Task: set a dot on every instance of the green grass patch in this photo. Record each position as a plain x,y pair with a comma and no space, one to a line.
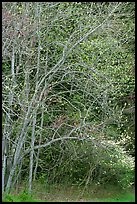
23,196
125,197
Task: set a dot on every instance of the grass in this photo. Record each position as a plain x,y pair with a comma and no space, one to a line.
125,197
23,196
70,193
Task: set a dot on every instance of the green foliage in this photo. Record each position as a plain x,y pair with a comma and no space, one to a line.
118,167
23,196
43,177
6,67
125,197
91,82
103,166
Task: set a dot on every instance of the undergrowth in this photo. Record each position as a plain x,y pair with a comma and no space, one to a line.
69,193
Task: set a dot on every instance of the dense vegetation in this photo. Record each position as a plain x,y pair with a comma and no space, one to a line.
68,89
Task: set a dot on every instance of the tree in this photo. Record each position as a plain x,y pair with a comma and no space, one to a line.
58,81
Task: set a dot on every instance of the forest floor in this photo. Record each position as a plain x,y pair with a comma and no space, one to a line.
63,193
89,194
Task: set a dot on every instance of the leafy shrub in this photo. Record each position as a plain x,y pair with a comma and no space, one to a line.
118,168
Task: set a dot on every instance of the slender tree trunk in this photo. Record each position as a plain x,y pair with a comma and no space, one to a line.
7,127
40,138
32,153
4,159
